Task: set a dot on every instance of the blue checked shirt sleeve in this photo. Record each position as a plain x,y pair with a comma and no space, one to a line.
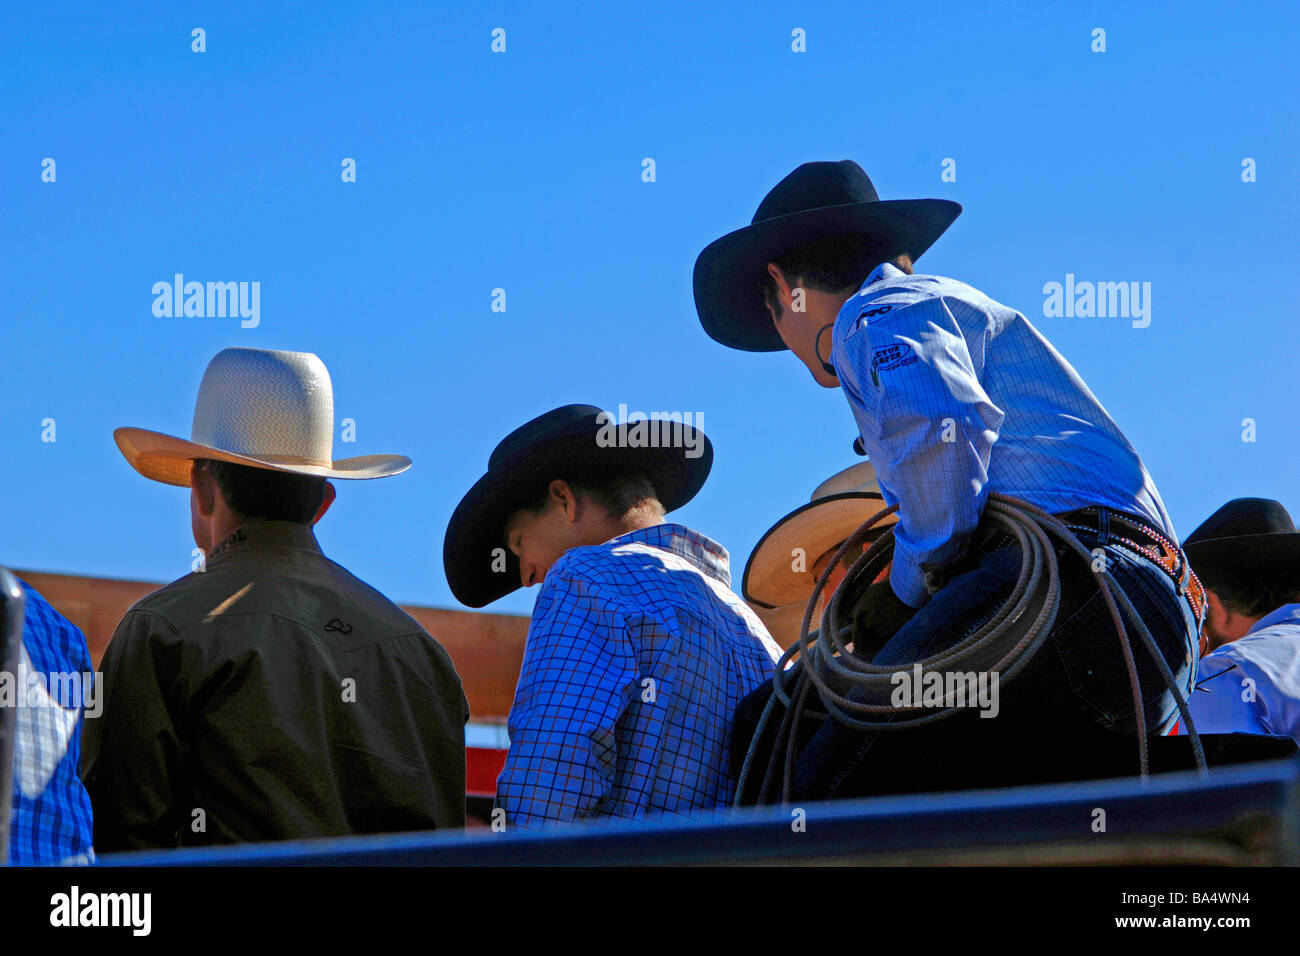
929,427
578,676
51,813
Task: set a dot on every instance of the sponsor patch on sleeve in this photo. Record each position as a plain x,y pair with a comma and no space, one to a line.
886,358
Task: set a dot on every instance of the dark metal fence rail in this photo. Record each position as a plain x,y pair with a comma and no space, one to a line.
1241,814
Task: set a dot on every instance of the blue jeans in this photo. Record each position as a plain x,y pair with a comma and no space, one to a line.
1072,694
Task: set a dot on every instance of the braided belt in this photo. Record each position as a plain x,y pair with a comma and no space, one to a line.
1138,535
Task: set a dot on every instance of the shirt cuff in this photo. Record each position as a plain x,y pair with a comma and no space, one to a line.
908,582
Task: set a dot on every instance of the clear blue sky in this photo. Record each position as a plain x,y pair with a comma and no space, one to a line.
522,171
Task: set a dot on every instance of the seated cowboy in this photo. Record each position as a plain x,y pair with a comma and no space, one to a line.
956,396
269,695
638,651
1247,554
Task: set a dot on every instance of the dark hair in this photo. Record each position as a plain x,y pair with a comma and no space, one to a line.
618,492
829,265
262,493
1253,591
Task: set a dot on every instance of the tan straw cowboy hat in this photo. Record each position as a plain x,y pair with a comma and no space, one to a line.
261,408
839,505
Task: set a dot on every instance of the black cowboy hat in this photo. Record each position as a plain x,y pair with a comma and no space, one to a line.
1246,533
816,201
564,442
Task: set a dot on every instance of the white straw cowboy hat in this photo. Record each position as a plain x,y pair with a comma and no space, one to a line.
261,408
839,506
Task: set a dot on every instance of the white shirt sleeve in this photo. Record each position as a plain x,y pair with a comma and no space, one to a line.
928,426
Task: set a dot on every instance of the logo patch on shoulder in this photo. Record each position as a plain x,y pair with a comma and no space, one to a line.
886,358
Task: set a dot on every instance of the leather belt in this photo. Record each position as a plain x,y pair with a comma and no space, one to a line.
1139,535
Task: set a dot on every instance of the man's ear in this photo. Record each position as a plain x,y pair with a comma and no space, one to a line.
783,290
326,500
1215,612
566,497
1228,624
204,488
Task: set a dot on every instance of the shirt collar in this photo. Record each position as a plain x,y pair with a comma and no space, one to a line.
883,272
704,553
848,314
1287,612
255,536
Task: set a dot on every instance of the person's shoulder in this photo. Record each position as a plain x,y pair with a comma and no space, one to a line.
1220,660
1262,658
1279,642
612,574
887,297
624,558
919,287
372,602
48,632
587,567
174,603
651,572
39,611
189,607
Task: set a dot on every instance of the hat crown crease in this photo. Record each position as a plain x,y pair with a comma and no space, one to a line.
277,406
815,186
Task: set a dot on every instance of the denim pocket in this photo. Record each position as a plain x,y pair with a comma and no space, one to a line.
1089,649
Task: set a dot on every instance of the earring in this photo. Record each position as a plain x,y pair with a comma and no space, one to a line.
817,348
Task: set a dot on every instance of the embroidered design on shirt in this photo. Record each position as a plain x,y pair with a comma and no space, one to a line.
234,538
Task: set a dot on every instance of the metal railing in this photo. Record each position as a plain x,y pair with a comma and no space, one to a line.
12,604
1243,814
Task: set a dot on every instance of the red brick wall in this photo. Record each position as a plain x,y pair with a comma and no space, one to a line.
486,648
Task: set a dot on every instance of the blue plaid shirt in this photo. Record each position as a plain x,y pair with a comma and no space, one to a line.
956,395
637,656
51,820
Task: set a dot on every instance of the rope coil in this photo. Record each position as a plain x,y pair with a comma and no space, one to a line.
826,663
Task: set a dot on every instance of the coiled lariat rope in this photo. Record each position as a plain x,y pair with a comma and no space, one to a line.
991,648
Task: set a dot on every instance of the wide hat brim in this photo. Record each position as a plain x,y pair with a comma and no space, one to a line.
729,271
167,458
770,579
1245,554
474,549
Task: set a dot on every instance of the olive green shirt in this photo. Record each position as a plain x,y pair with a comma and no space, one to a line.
272,696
